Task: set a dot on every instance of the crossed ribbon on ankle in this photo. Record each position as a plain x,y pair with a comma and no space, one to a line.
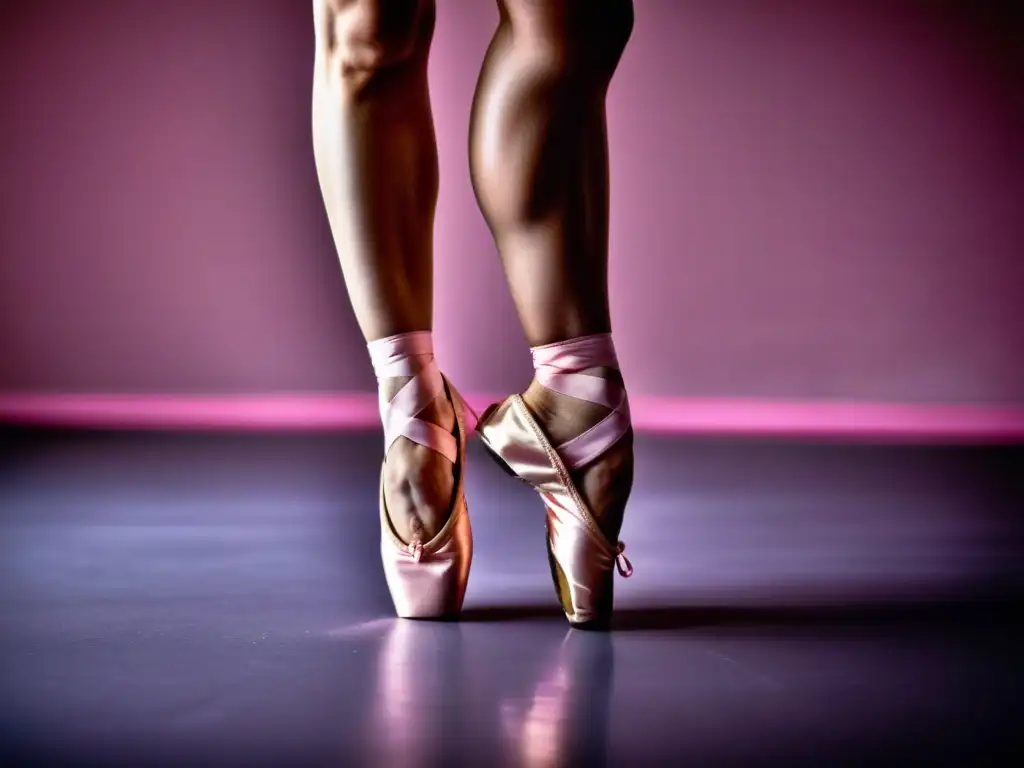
559,367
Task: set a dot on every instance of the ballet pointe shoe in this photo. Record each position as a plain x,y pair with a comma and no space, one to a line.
427,580
582,559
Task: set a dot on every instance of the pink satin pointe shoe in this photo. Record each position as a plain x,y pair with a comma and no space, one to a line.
427,580
583,561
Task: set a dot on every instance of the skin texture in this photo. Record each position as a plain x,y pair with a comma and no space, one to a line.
539,163
376,157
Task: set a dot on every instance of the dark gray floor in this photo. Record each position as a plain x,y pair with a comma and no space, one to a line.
185,599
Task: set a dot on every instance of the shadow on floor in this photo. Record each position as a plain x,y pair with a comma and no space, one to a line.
660,618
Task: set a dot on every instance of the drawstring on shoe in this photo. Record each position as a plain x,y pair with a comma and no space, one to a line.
416,548
622,562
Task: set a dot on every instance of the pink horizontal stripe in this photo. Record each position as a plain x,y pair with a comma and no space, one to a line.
664,415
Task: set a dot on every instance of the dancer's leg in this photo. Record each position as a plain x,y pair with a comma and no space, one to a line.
539,157
376,158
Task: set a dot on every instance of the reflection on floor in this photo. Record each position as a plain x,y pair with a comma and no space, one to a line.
189,599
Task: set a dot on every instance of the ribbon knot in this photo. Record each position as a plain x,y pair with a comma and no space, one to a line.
416,549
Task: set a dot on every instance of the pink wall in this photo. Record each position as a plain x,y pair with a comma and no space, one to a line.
812,200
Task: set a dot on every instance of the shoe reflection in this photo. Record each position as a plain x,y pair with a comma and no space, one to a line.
417,697
565,723
430,709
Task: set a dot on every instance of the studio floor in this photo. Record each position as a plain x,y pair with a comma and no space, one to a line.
186,599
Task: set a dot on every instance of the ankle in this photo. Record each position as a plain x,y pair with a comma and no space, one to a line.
439,411
578,398
606,482
406,360
560,416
